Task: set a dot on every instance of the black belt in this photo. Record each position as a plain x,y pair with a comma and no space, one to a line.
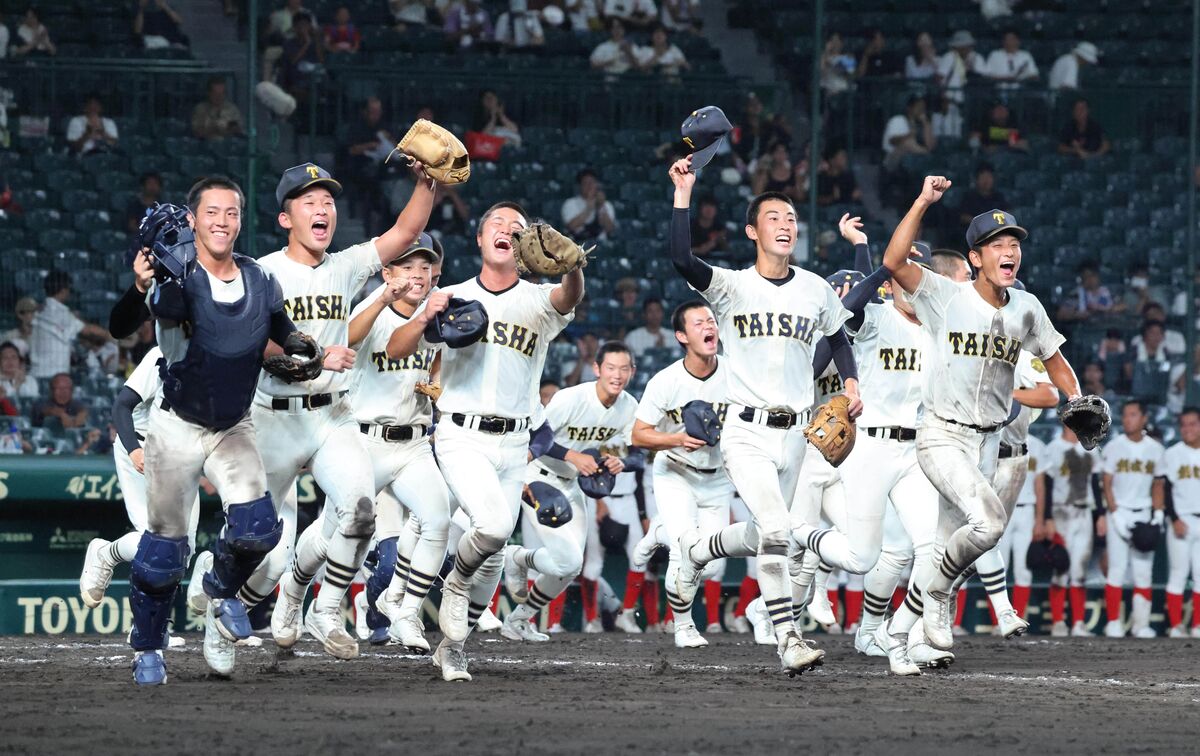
394,432
548,474
781,419
979,428
893,434
494,425
693,468
1009,450
308,402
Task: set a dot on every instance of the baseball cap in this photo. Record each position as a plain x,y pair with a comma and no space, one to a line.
1087,51
986,225
704,131
423,243
843,277
962,38
924,256
300,177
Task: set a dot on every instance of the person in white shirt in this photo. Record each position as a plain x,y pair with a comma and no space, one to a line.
677,15
959,63
14,381
922,63
25,309
617,54
1011,65
1064,74
637,13
589,214
1182,471
908,133
583,15
55,329
661,56
34,36
91,131
651,335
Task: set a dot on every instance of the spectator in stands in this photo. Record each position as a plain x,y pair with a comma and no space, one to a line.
91,131
1138,291
922,63
637,14
617,54
468,23
630,314
34,36
9,207
216,117
14,380
947,119
661,56
102,355
279,25
580,370
959,64
490,118
757,133
97,441
982,196
366,145
999,131
774,172
589,214
1150,347
159,26
677,15
1083,136
342,36
20,335
61,403
875,59
55,329
583,15
1010,66
1064,74
1179,305
520,26
414,13
1091,298
836,184
1173,341
303,55
1178,387
150,192
1093,379
837,68
7,408
451,212
4,37
908,133
708,232
651,335
1113,348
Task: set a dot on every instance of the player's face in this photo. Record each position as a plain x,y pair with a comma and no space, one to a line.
435,274
546,393
614,373
775,228
1189,428
999,260
699,333
417,271
311,219
495,236
218,221
1133,420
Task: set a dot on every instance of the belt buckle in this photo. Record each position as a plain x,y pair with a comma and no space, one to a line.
316,401
492,425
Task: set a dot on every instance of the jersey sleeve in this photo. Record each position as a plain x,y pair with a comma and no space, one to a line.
1030,371
1170,470
1108,458
558,411
1044,339
553,321
720,291
1159,460
931,297
869,326
145,379
651,409
363,262
833,313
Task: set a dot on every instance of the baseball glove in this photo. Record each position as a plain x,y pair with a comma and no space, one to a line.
431,390
443,155
832,431
543,251
301,359
1089,417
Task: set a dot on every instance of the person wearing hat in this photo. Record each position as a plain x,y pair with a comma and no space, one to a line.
959,63
1064,74
311,423
976,332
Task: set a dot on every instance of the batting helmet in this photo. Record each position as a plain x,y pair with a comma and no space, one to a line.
548,503
598,484
461,324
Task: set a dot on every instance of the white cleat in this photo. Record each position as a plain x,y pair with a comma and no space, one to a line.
1010,623
626,622
360,616
388,604
555,629
1195,631
959,630
285,617
516,576
668,627
176,641
924,655
451,660
764,631
796,656
409,631
938,618
328,628
96,575
515,628
687,636
1179,631
197,599
1059,630
852,629
834,629
1145,633
643,552
865,643
218,650
740,625
896,648
687,577
1114,629
488,622
714,627
452,614
593,627
820,609
1080,630
250,641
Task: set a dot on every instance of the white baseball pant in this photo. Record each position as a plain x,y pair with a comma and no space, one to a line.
133,493
1076,526
1184,555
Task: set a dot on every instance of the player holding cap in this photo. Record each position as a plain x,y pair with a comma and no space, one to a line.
977,331
1181,467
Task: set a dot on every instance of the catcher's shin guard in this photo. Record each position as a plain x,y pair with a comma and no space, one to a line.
380,579
251,531
157,569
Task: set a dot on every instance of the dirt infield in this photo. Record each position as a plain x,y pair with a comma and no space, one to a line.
603,694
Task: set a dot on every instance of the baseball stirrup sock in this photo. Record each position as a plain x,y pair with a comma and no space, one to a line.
1078,603
780,611
1196,609
1058,601
650,602
587,592
834,600
746,593
633,589
124,548
1020,599
1112,602
682,609
712,601
1174,609
854,605
960,607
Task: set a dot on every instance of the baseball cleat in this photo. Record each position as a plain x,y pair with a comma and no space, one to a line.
740,625
388,604
668,627
714,627
1179,631
379,636
451,660
452,614
1059,630
518,628
1195,631
409,632
852,629
149,667
593,627
626,622
1145,633
796,656
252,642
820,609
488,622
555,629
94,580
516,576
959,630
1114,629
687,636
1080,630
178,641
330,630
896,648
924,655
687,577
197,599
644,550
1010,623
764,631
938,617
285,617
218,650
361,629
865,643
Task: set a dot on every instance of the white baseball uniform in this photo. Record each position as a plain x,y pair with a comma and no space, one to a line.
1133,466
1181,466
1070,468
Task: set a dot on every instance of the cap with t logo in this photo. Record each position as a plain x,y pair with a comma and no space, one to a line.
704,131
992,223
298,178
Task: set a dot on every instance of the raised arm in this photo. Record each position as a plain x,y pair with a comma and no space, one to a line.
412,218
406,339
569,293
360,324
895,258
694,270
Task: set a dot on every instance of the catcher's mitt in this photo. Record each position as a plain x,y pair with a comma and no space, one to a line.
431,390
543,251
1089,417
443,155
301,359
832,431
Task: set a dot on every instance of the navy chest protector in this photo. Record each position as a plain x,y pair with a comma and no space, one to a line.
214,383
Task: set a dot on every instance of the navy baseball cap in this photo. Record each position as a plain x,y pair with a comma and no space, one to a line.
423,243
924,256
842,277
298,178
987,225
704,131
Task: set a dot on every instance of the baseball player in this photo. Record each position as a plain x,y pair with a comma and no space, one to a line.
976,331
770,318
1072,492
1014,544
491,388
1182,471
1133,493
311,424
131,416
597,414
690,488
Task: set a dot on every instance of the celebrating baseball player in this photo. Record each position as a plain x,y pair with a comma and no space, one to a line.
1182,470
490,389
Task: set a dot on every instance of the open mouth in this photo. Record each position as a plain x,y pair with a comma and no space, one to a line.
320,228
783,238
1009,267
503,243
710,339
220,233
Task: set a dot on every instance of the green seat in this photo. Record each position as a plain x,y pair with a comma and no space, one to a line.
87,221
79,200
108,241
57,238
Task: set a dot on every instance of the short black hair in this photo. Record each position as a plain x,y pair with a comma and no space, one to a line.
56,281
984,167
213,81
1152,305
649,301
547,382
1087,265
1151,324
584,173
12,346
682,310
757,203
149,175
947,252
500,206
707,199
214,182
1191,409
1141,405
612,347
